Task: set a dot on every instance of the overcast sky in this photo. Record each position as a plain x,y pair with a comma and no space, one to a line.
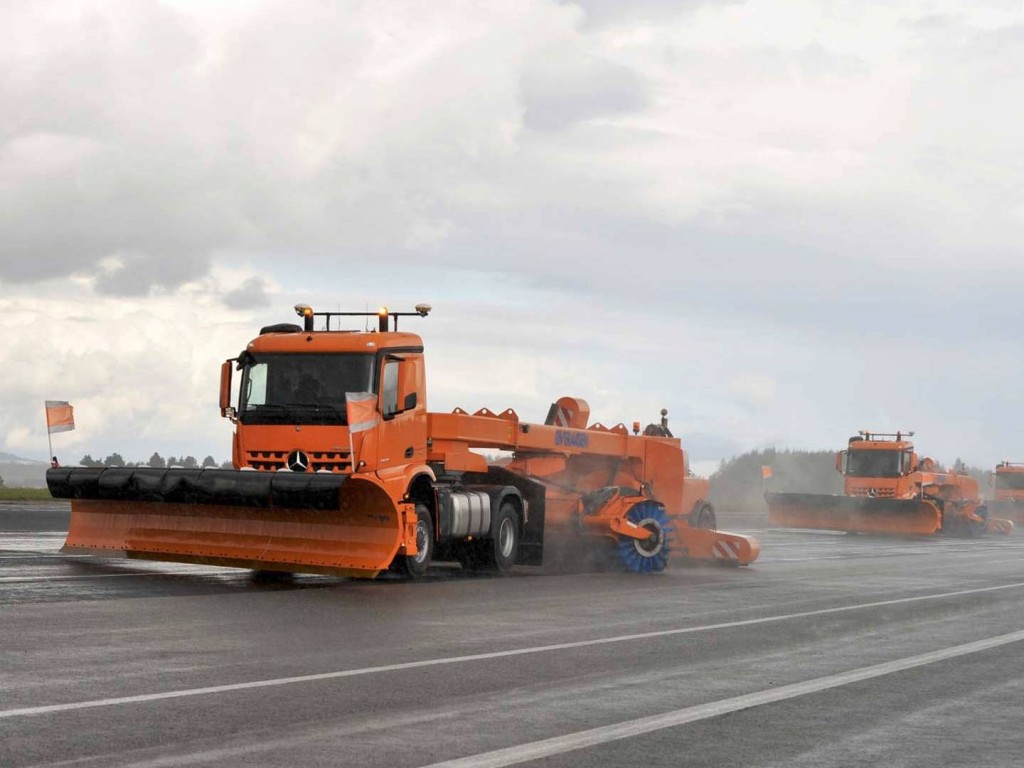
784,222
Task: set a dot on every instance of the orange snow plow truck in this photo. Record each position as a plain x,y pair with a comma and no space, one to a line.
888,489
1008,491
339,468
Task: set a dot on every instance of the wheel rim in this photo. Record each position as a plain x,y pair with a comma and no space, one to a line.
506,538
422,542
651,546
651,554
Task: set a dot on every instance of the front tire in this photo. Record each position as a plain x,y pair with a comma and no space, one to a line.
415,566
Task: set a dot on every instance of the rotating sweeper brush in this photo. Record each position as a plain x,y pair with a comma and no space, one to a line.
651,554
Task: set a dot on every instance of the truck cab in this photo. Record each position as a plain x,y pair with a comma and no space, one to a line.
878,465
293,408
1008,481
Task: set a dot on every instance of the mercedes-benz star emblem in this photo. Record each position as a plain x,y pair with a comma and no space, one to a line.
298,461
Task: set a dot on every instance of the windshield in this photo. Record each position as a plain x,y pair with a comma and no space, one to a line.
1010,481
873,464
301,388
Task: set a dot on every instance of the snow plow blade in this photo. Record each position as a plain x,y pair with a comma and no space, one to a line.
282,521
853,513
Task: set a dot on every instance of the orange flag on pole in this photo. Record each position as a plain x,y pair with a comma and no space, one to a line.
60,416
361,410
766,471
361,413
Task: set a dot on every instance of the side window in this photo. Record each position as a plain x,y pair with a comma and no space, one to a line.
389,390
256,385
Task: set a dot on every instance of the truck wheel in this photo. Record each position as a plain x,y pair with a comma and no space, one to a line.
498,555
703,517
415,566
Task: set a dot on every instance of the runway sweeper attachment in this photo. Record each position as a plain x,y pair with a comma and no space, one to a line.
339,468
889,490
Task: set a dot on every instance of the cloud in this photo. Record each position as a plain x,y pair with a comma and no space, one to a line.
250,294
755,389
641,202
610,13
561,89
138,371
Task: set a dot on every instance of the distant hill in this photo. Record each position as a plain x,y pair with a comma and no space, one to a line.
737,484
19,472
10,458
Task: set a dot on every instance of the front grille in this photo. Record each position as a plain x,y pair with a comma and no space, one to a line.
319,461
878,493
331,461
267,461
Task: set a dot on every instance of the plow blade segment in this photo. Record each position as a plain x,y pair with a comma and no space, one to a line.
246,527
854,514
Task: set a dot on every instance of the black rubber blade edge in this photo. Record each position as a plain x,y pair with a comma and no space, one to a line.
198,486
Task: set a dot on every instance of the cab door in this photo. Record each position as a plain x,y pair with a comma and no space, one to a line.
402,436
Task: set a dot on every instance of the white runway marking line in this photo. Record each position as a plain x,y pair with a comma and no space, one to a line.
631,728
43,579
231,687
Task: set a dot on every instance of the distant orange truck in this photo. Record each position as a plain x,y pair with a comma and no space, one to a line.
887,488
1008,491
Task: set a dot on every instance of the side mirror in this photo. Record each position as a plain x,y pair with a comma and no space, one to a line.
225,387
841,462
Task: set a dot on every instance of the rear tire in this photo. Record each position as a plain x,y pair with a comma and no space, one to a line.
703,517
415,566
496,555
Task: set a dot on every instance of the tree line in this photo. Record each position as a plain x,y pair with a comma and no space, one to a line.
156,461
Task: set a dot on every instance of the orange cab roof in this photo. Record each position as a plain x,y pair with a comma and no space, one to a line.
333,341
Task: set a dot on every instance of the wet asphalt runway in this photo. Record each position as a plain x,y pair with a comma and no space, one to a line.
830,650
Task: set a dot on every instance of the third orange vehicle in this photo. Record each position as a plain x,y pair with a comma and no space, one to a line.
887,488
1008,491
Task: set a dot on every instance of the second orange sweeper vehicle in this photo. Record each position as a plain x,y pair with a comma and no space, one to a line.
341,469
889,489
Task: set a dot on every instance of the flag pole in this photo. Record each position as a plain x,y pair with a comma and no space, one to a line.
49,437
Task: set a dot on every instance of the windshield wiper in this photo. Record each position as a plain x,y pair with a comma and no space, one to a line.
319,411
264,413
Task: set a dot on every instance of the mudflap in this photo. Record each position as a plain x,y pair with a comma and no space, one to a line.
357,534
853,514
711,546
